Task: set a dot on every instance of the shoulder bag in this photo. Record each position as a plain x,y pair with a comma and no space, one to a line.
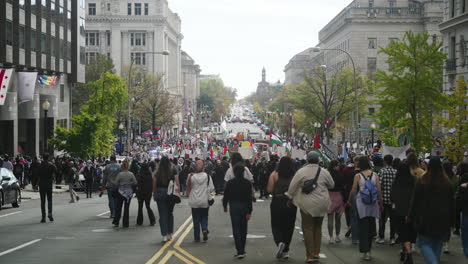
310,185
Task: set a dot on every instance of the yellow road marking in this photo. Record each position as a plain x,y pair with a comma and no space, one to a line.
166,257
167,244
179,256
179,242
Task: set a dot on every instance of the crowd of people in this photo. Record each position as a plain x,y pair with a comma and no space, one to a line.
424,200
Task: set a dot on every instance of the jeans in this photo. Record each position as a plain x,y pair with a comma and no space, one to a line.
238,212
431,247
200,219
283,219
43,195
312,234
387,213
89,188
122,201
464,233
366,233
73,195
111,194
354,221
147,202
165,209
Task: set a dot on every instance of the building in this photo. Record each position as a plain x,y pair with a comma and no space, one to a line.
454,29
191,84
266,90
360,29
138,31
45,41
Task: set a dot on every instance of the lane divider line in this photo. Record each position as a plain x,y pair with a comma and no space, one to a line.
10,214
19,247
167,244
181,257
184,252
103,213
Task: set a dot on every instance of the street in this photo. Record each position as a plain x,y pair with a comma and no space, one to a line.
82,233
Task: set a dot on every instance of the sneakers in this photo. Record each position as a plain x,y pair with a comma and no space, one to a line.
51,219
165,239
285,255
456,232
337,240
392,242
311,260
446,249
402,256
348,234
380,241
279,253
355,242
43,220
205,235
408,259
169,237
331,241
240,256
366,256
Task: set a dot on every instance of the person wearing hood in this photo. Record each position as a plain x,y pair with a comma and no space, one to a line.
199,189
89,172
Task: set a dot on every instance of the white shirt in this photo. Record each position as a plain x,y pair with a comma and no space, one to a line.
230,175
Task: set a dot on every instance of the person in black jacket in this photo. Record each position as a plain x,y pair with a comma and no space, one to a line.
46,174
432,210
238,194
463,201
144,193
400,195
89,173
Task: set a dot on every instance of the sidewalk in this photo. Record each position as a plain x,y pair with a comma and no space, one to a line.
29,194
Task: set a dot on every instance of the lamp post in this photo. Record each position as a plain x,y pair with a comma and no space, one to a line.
165,53
318,49
372,126
45,107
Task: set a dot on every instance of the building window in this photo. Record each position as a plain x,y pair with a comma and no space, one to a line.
82,3
62,93
69,20
43,43
371,65
33,7
9,33
390,40
21,3
372,43
108,38
463,6
52,46
92,9
129,9
146,9
138,58
82,55
82,25
90,56
452,8
44,8
392,3
371,3
108,6
92,39
137,9
371,110
69,52
138,39
52,8
33,40
108,55
21,37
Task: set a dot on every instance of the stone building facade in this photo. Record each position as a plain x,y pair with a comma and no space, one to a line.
191,84
45,37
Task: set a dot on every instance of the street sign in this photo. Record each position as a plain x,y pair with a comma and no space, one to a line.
364,129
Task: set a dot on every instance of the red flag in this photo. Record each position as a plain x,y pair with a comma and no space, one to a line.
225,150
251,143
317,141
211,153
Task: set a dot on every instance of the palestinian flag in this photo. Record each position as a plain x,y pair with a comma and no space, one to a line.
288,148
275,140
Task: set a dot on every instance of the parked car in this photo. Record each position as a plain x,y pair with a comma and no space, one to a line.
10,192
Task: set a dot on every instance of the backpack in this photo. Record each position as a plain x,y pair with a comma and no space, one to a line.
369,192
18,169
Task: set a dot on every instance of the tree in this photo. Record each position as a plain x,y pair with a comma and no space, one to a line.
410,89
455,121
216,97
94,71
91,134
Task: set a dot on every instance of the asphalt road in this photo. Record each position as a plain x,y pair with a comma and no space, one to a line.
82,233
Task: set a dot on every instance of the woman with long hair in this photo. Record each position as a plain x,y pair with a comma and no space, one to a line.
463,201
453,178
144,191
283,216
400,194
432,210
165,175
125,183
337,202
414,165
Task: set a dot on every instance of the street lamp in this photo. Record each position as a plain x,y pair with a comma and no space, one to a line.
318,49
45,107
372,126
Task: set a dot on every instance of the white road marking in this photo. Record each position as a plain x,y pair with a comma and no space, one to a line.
252,236
103,213
19,247
10,214
260,201
104,230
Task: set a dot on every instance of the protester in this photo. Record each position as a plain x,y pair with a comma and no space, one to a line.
46,173
387,176
400,195
414,165
89,173
366,186
218,178
18,171
165,175
199,189
463,201
314,205
283,214
432,210
109,181
337,202
454,180
125,184
237,158
238,195
70,177
144,193
348,178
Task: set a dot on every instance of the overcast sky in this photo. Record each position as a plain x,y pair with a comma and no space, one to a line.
236,38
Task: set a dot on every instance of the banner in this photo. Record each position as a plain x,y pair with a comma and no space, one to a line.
5,77
396,152
246,152
26,85
47,80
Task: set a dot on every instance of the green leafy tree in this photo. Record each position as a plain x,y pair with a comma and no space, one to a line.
91,134
456,123
216,96
410,89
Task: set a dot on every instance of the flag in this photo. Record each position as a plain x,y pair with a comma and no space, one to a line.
275,140
344,153
203,143
211,153
47,80
316,141
5,77
26,85
251,143
287,147
225,150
